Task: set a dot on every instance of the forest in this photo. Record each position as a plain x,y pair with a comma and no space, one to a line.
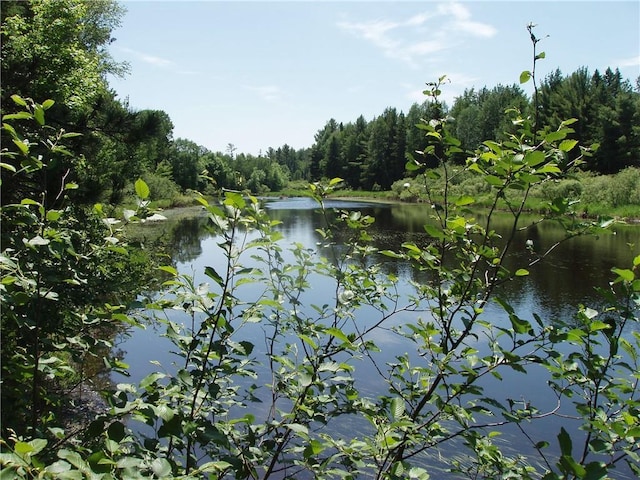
118,144
268,385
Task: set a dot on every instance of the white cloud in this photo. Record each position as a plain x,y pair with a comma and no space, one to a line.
474,28
628,62
150,59
269,93
421,35
418,19
461,21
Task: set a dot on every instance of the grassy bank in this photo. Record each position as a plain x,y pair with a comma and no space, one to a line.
590,195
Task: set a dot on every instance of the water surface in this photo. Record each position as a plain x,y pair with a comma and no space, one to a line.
553,290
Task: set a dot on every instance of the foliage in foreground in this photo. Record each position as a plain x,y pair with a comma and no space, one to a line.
266,373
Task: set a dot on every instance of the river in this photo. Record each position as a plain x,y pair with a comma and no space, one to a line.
553,290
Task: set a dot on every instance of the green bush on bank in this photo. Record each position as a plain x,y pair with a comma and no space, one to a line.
617,194
164,193
616,190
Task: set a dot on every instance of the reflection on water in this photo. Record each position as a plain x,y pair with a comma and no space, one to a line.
553,290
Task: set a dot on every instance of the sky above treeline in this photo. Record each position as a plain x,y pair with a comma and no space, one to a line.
263,74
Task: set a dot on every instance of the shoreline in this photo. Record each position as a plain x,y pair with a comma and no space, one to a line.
173,213
628,220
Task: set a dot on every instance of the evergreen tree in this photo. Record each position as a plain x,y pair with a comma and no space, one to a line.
415,138
354,151
332,162
607,109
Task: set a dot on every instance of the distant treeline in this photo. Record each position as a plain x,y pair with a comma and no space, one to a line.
68,60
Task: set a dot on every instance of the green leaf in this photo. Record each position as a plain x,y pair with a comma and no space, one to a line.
213,275
569,121
525,76
142,189
397,407
306,339
165,412
38,240
70,135
519,325
540,56
168,269
493,180
528,178
53,215
73,458
38,114
457,224
22,146
418,473
17,116
571,466
606,222
564,439
567,145
339,334
47,104
129,462
313,448
599,445
63,150
298,428
18,100
596,471
161,467
433,231
522,272
214,466
555,136
623,274
534,158
412,166
549,169
23,448
590,313
465,200
150,379
595,326
62,470
391,253
330,367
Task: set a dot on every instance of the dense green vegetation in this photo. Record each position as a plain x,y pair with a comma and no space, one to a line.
236,407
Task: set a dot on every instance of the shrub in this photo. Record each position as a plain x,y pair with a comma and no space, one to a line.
625,188
566,188
161,187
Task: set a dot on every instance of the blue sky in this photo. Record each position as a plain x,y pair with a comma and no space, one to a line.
261,74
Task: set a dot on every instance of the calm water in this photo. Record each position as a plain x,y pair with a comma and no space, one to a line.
553,289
